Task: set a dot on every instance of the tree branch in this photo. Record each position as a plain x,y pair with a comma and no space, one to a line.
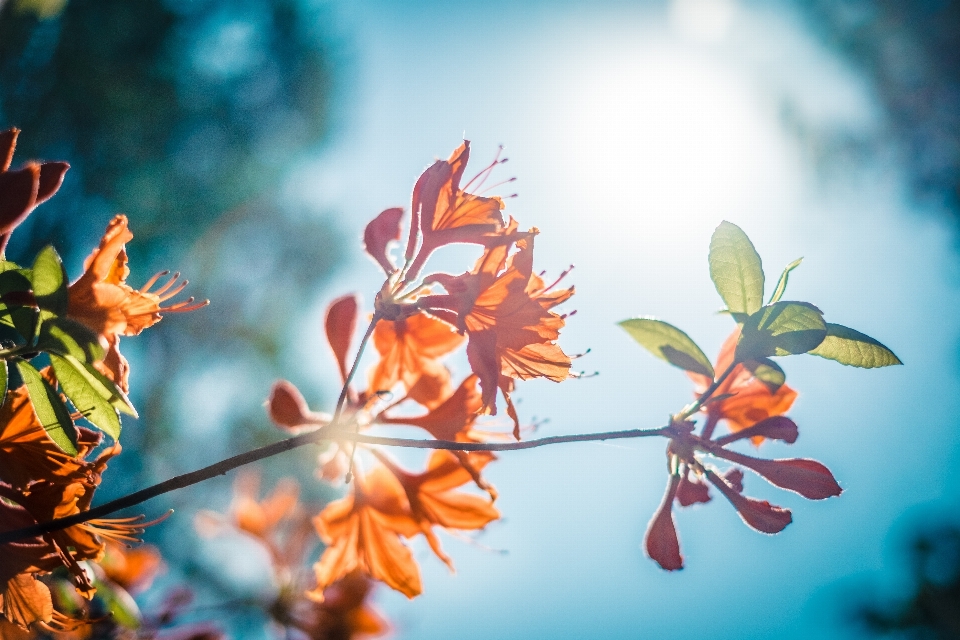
320,435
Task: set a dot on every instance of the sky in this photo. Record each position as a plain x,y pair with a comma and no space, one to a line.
633,130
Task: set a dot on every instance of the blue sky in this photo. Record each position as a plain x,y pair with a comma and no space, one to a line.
633,131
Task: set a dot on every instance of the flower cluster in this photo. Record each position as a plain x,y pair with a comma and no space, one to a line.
281,525
501,310
52,423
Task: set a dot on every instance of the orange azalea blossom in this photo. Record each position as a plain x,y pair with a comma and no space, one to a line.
409,348
133,569
445,213
363,530
453,419
750,401
433,501
505,310
343,614
45,501
21,191
102,299
27,454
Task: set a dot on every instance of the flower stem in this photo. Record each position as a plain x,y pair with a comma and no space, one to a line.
692,408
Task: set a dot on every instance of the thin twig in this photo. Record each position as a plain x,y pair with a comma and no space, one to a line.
323,434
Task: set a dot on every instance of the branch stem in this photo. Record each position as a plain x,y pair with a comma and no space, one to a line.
320,435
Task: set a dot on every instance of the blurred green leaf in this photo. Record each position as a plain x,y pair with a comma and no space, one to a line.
123,610
782,282
850,347
736,269
7,265
87,399
49,280
67,337
50,409
781,329
668,343
768,372
4,381
104,386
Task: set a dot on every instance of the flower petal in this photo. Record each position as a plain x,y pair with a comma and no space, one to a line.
661,541
379,232
340,324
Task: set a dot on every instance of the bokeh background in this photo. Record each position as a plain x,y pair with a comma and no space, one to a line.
251,140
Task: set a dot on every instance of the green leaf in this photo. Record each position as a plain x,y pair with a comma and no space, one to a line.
736,269
121,606
768,372
781,329
6,265
87,398
852,348
668,343
104,386
4,381
782,282
49,280
50,409
12,280
69,338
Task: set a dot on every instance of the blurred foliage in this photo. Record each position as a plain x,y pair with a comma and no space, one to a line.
192,117
931,609
910,51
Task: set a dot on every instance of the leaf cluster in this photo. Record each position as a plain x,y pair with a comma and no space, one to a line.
777,328
34,329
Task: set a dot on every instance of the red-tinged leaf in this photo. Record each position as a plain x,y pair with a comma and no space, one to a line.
775,428
8,142
757,514
807,477
380,232
692,492
289,411
661,541
51,177
18,195
341,323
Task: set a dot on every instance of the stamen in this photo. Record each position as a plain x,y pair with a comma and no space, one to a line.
173,279
185,306
164,295
494,186
563,274
485,172
146,287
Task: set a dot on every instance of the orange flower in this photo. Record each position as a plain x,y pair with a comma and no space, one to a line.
452,420
47,501
344,613
750,400
132,569
27,454
363,530
409,348
505,309
102,300
433,501
445,213
21,191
